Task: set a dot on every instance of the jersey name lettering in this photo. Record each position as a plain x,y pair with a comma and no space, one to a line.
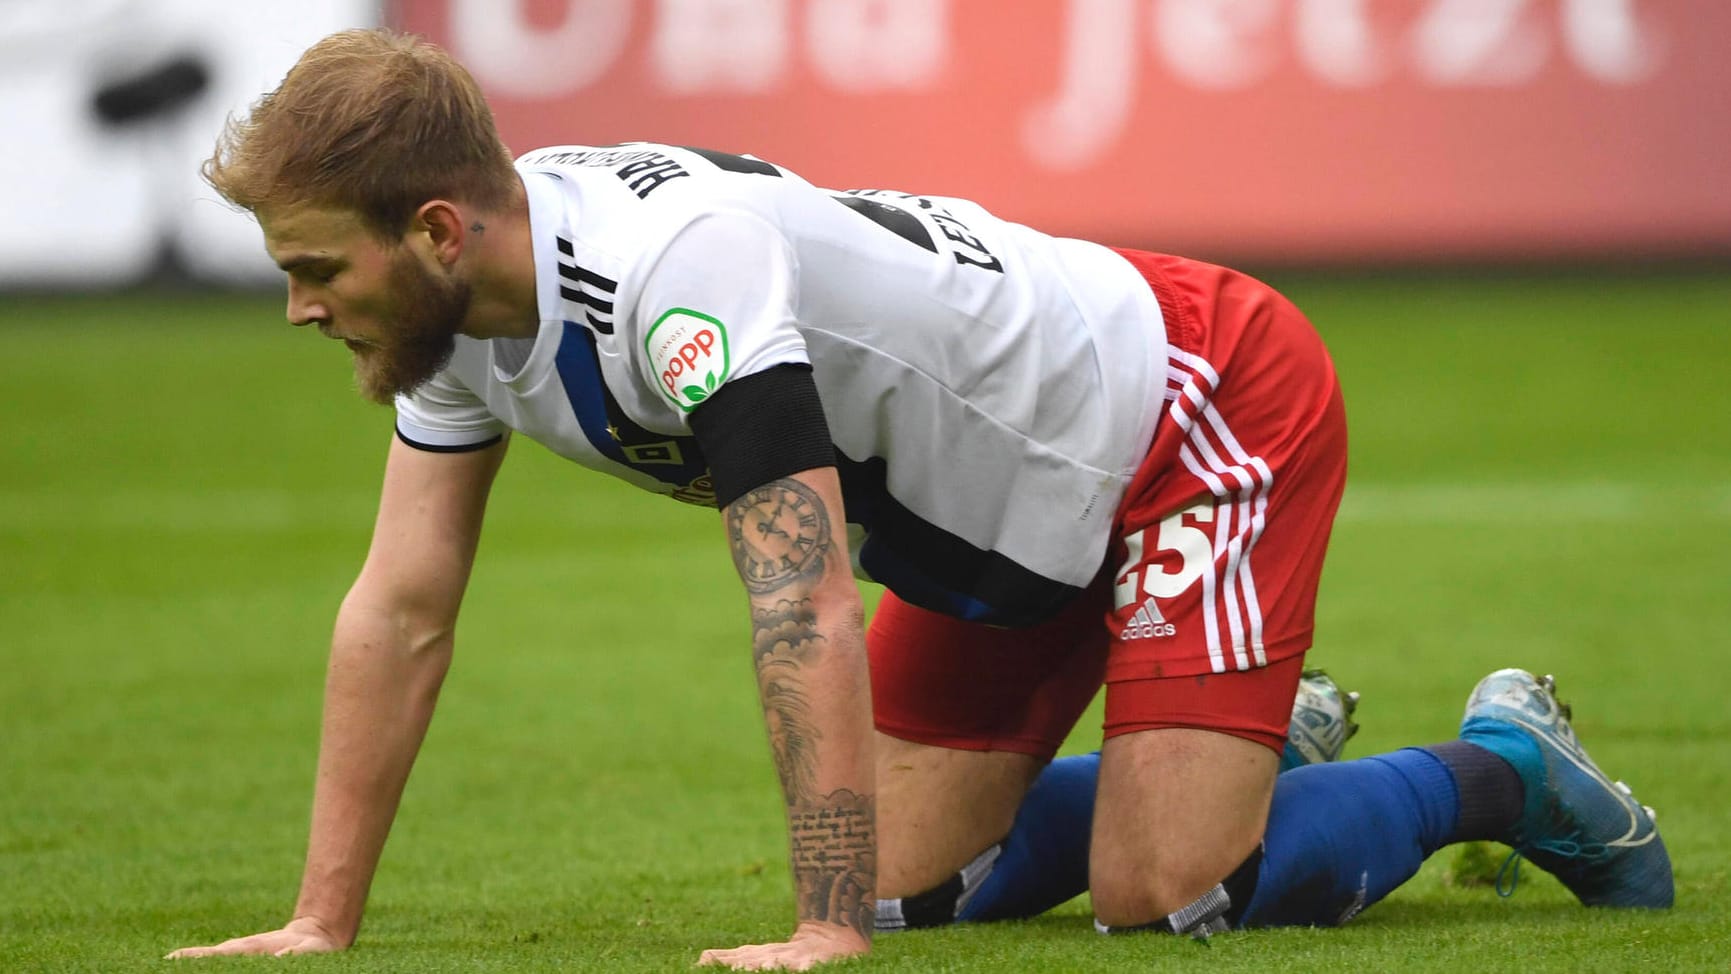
642,170
645,176
893,211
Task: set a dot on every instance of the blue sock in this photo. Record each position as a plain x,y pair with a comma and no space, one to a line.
1044,859
1343,836
1340,837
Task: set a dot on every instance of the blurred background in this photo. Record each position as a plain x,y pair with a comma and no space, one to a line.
1510,220
1260,132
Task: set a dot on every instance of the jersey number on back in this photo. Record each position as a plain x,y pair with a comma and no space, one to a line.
895,212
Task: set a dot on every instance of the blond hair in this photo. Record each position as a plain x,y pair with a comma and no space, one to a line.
370,121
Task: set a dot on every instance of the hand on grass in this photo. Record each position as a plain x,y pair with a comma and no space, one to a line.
303,935
811,944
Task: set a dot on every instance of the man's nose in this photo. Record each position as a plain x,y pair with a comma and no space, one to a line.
302,310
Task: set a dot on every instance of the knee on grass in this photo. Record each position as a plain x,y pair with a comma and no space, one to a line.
942,904
1130,905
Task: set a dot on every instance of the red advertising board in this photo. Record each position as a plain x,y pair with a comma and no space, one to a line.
1292,130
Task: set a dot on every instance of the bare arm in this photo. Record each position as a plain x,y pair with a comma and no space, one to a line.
391,648
789,544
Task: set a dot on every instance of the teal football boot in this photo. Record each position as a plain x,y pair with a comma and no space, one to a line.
1576,824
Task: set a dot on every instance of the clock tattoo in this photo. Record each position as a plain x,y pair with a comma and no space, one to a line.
778,533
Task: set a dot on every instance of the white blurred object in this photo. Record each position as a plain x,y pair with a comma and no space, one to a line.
96,204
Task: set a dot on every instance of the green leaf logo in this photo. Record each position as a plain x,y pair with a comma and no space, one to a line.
694,394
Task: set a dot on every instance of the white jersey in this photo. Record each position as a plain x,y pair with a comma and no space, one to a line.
989,389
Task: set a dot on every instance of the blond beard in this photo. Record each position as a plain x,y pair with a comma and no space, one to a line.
429,311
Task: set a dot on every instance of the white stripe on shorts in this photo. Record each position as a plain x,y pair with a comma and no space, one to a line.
1213,454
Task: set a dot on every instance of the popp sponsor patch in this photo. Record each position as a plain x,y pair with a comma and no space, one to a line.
689,352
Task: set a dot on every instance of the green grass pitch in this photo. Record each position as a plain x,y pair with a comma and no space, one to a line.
1541,477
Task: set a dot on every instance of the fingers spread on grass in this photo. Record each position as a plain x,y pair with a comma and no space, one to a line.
766,957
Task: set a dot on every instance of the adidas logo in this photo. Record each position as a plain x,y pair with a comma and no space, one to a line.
1148,623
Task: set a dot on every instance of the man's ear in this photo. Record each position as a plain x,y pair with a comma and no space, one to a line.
438,225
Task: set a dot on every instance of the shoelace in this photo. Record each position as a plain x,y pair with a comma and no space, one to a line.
1514,859
1568,848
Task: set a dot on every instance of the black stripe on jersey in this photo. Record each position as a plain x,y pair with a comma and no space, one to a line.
761,428
446,448
731,163
593,291
571,272
599,313
894,219
934,569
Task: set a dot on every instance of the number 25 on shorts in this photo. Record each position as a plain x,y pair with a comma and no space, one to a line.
1146,573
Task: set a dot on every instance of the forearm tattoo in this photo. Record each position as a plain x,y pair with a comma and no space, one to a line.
780,538
834,859
779,534
784,639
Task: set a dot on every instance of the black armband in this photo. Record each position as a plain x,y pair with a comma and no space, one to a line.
761,428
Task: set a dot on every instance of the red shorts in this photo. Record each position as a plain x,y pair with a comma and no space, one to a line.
1208,592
